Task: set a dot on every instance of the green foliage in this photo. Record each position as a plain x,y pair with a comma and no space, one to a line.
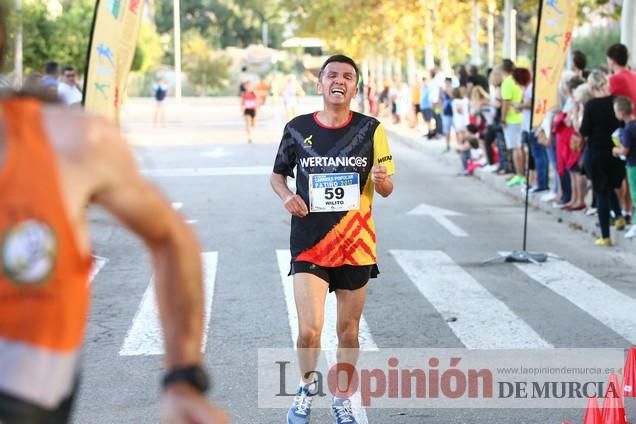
149,50
595,44
225,22
64,39
206,72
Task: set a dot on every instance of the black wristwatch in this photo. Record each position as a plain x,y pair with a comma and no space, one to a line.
194,375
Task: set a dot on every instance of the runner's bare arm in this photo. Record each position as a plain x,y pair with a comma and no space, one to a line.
383,182
120,189
294,204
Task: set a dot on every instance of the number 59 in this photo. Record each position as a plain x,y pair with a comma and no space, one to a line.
331,192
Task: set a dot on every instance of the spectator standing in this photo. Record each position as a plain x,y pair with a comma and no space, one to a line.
511,95
51,75
622,82
160,92
523,78
624,110
68,89
606,171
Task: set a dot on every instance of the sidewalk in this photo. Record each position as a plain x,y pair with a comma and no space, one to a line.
433,148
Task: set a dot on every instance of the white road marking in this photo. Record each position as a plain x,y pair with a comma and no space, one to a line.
478,319
191,221
441,216
329,339
216,153
145,335
608,305
177,205
98,264
209,172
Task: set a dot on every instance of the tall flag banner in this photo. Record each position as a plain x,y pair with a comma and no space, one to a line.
554,35
111,50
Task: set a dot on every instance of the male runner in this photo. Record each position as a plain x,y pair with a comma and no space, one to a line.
53,163
341,157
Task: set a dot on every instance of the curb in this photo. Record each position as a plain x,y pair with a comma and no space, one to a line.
574,220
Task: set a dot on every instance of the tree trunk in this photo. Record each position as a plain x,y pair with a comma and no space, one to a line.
507,40
491,34
411,66
475,57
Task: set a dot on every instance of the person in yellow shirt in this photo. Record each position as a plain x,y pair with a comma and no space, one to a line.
512,95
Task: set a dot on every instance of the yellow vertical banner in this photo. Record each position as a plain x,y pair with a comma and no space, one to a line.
112,48
554,36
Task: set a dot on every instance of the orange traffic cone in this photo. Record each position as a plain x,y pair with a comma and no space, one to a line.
629,374
592,412
613,409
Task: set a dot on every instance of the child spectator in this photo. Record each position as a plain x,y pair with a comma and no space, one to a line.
624,110
460,113
469,151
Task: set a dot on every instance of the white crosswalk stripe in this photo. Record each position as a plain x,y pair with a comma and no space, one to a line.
329,340
478,319
144,336
606,304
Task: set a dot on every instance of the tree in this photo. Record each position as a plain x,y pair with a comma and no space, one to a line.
237,23
64,39
205,70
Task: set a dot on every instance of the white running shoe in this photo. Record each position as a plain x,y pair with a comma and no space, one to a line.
548,197
631,233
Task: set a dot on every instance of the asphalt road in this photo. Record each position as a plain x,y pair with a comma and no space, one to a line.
433,291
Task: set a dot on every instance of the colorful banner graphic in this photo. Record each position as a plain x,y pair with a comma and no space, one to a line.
556,23
112,48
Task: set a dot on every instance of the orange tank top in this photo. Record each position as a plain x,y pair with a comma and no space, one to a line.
44,293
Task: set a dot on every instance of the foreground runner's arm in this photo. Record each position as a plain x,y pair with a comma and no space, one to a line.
294,204
118,187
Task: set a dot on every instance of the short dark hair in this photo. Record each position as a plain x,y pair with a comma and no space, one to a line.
67,68
522,76
579,59
473,70
624,105
339,58
448,79
51,67
618,53
508,66
574,82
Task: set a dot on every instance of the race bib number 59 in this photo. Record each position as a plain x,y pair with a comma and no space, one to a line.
334,192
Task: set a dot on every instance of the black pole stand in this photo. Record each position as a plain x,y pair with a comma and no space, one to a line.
523,256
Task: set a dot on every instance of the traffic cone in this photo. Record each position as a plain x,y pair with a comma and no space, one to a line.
613,409
629,374
592,412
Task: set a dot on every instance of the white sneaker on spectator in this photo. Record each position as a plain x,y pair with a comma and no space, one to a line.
591,211
548,197
491,168
631,233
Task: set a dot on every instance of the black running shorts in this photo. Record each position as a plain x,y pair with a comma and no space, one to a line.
346,277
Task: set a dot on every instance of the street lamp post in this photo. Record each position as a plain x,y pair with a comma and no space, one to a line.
177,50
